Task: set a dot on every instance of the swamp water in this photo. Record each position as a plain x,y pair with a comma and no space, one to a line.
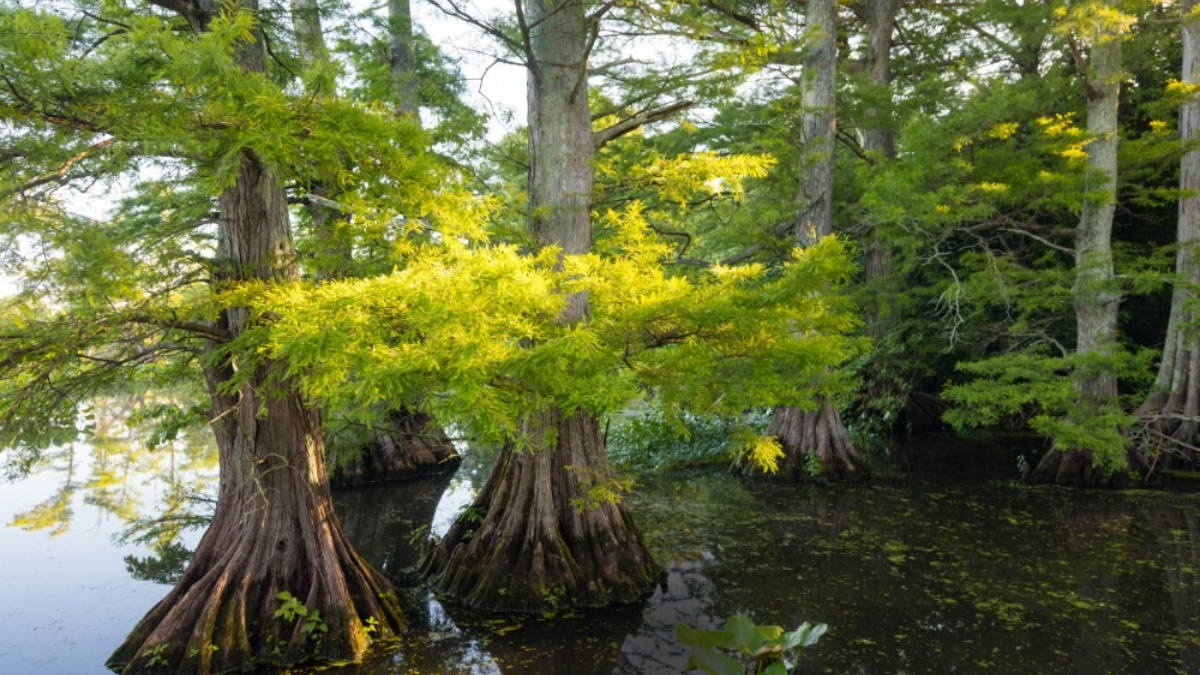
914,575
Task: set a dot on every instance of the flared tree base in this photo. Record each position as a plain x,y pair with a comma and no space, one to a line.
411,447
1075,467
223,617
815,444
1168,433
274,534
547,532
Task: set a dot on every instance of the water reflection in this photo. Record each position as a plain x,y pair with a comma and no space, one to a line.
383,522
1176,532
913,576
70,586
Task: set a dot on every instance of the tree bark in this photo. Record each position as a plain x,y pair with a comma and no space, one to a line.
822,436
1171,412
402,59
274,528
530,541
880,380
1096,300
878,141
411,446
821,432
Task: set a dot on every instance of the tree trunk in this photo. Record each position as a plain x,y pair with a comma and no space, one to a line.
410,447
274,528
1171,412
881,375
821,432
402,59
823,438
1096,299
878,141
531,541
413,446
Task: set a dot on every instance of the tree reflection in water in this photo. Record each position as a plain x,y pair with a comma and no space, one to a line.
912,576
159,493
1176,531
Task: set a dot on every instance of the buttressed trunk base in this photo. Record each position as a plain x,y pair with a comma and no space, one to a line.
274,531
412,447
815,438
537,538
1075,467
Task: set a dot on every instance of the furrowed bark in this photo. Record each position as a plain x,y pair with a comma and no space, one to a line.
410,447
402,58
274,528
822,432
878,141
1171,412
531,541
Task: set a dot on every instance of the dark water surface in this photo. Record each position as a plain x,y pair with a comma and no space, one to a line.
914,574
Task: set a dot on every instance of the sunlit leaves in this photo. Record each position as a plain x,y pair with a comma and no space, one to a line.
475,333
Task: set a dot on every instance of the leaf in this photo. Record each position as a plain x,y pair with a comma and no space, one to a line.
746,637
777,668
804,636
712,663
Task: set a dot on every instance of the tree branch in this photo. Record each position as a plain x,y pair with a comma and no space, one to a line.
204,330
740,257
604,136
60,174
1047,242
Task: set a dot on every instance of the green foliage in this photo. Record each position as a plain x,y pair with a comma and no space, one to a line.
657,440
1036,388
156,655
291,608
744,648
474,333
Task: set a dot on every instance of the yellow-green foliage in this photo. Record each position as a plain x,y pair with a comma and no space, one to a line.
474,332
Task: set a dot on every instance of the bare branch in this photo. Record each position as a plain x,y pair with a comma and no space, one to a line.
452,9
142,354
604,136
526,43
1047,242
737,258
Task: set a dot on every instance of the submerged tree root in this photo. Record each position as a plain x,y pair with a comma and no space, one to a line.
546,532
